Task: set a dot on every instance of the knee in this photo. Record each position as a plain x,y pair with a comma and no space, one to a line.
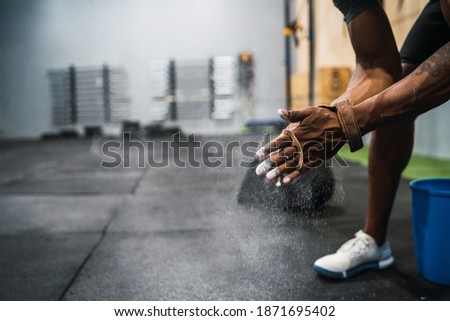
394,144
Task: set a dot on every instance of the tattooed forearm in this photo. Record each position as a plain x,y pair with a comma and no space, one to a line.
436,63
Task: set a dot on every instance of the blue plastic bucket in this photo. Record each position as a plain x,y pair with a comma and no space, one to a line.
431,222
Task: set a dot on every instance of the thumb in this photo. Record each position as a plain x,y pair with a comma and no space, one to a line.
294,116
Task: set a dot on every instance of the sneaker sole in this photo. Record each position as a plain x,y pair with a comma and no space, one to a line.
373,265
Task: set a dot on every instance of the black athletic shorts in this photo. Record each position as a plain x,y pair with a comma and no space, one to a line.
429,33
352,8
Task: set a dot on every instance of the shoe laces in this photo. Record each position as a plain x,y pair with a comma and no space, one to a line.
356,245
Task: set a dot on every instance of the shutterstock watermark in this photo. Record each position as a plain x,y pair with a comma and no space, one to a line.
183,151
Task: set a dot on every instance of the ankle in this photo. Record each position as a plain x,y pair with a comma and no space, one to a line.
380,238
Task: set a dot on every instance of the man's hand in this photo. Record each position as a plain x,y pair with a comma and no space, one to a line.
319,133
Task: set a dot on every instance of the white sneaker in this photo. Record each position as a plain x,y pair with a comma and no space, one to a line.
354,256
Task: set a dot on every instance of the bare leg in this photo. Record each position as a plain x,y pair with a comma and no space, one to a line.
378,67
390,151
377,59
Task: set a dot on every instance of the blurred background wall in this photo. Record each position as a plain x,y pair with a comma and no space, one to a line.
36,35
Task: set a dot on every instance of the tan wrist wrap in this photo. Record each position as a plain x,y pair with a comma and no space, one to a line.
299,147
348,122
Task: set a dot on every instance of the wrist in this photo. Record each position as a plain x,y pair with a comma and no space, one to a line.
363,117
350,125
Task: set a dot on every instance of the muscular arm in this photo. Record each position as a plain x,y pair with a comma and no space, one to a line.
377,58
425,88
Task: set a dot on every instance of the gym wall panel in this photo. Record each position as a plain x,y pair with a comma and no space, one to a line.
37,35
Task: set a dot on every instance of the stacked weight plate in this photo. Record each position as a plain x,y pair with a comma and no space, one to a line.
61,97
102,95
193,89
90,100
91,96
160,93
119,104
223,79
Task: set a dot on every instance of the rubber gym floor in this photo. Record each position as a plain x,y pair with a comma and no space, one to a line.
72,230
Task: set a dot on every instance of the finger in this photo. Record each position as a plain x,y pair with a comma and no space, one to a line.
276,158
263,167
283,169
295,174
294,116
277,143
289,178
282,156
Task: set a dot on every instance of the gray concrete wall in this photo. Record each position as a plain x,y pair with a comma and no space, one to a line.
36,35
432,135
